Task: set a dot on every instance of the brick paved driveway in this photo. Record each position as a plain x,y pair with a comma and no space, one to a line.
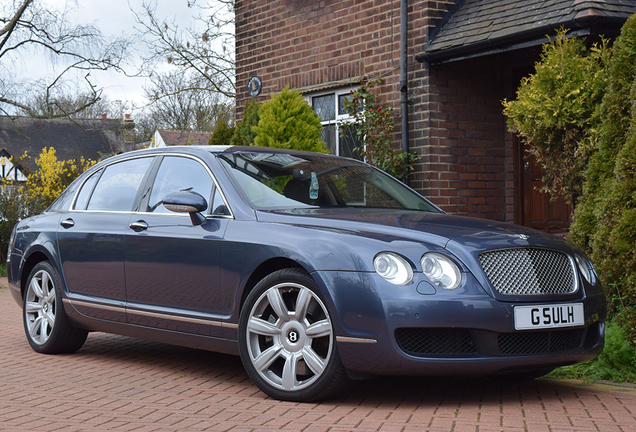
118,383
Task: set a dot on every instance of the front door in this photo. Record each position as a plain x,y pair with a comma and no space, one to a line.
536,209
172,267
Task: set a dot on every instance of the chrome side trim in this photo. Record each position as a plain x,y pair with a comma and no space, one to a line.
152,314
94,305
355,340
183,319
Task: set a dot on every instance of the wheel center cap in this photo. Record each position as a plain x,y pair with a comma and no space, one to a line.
292,336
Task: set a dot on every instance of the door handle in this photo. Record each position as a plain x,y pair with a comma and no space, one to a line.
138,226
68,223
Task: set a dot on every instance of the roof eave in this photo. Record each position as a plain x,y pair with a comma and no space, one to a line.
582,26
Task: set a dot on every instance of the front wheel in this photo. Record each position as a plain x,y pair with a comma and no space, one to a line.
45,323
287,340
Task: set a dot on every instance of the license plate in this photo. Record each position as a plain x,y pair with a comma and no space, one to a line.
549,316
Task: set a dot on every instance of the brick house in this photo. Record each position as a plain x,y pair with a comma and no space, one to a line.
463,58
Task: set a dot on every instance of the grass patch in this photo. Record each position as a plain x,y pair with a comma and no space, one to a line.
617,362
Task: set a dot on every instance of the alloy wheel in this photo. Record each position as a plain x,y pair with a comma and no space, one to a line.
40,307
289,336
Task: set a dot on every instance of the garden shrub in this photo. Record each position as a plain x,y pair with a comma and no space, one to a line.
578,113
555,111
287,121
222,134
373,125
605,218
244,133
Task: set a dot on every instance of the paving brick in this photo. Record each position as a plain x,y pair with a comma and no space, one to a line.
124,384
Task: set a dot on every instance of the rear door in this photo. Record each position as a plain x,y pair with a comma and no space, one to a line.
91,239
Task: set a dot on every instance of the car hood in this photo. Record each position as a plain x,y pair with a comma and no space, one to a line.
452,232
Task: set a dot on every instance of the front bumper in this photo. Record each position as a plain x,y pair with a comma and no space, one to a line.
385,329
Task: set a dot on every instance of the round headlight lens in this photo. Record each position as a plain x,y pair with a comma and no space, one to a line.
586,268
393,268
440,270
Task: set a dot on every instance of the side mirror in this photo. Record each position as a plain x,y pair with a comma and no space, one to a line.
187,202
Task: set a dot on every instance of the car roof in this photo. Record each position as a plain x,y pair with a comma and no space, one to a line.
217,149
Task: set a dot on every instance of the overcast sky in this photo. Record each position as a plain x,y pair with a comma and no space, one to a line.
115,18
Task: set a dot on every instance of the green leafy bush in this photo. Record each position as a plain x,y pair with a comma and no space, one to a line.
555,110
287,121
222,134
616,363
373,125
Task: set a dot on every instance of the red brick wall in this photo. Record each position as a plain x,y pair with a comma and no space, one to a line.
460,132
308,44
456,125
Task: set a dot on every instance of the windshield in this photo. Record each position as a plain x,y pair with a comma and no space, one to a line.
284,181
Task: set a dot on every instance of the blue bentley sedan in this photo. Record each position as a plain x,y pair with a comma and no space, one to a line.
315,269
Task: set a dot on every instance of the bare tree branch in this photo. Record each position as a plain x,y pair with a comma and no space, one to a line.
192,109
29,28
8,28
203,55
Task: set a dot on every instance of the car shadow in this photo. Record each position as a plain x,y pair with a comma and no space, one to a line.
222,370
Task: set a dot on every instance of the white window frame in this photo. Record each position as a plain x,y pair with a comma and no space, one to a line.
337,92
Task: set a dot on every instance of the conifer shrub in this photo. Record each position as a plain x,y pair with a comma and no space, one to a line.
287,121
605,218
222,134
244,133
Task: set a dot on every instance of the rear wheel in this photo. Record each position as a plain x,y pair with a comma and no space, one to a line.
45,323
287,340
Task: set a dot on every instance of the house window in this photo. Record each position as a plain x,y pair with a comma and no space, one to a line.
330,108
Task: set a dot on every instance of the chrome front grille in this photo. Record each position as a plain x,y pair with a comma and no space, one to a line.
529,271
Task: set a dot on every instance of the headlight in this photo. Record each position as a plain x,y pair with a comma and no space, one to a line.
586,269
440,270
393,268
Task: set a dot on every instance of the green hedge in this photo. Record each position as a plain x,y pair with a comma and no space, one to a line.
605,217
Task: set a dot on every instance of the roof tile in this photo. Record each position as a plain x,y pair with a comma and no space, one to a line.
478,21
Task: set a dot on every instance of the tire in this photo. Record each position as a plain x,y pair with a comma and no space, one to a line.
287,341
47,328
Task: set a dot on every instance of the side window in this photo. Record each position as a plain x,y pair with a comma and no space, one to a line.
85,192
117,187
218,206
176,174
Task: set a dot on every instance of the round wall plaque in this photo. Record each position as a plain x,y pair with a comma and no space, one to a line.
254,86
